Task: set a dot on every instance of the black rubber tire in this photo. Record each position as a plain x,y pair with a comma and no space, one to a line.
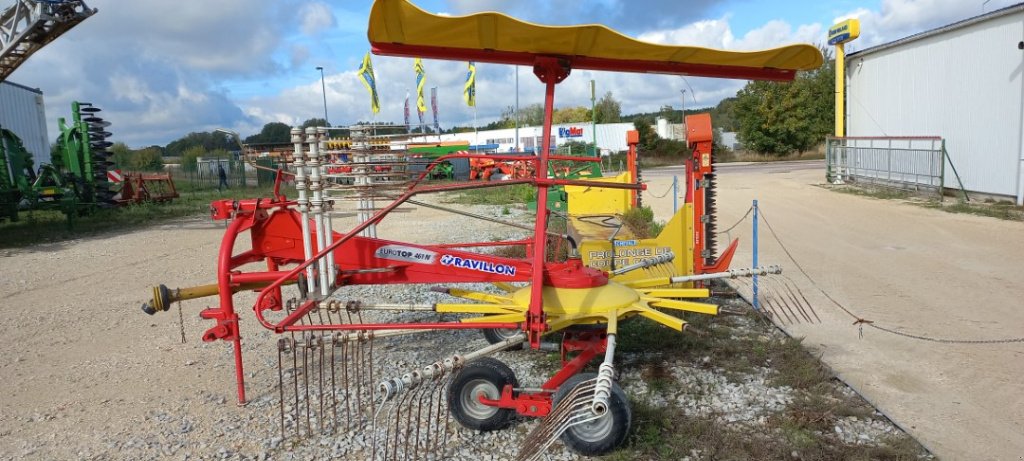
614,432
487,375
497,335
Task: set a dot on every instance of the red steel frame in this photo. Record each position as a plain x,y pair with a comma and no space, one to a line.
277,240
699,167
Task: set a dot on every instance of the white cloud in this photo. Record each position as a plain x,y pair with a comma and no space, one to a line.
156,67
901,18
162,69
316,17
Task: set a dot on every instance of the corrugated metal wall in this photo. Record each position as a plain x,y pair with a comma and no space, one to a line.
964,85
22,112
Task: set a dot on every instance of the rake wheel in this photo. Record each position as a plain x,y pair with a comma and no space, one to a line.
603,435
497,335
485,375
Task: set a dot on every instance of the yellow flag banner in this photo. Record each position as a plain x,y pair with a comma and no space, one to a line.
421,80
366,75
469,91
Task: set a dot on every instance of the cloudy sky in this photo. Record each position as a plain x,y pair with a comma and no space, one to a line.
161,69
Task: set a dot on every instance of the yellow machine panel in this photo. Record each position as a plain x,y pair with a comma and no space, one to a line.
600,252
585,200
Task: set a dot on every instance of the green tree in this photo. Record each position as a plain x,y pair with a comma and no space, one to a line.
531,115
570,115
668,113
273,132
121,154
722,115
317,122
577,148
781,118
188,158
147,159
206,140
648,137
608,109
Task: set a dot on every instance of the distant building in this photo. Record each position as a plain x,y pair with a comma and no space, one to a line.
963,82
22,112
611,137
730,140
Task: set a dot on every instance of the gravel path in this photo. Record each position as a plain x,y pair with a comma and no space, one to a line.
88,376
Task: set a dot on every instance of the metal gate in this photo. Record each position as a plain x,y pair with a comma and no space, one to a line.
914,162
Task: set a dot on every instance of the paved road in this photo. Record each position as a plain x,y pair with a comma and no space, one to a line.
741,167
905,267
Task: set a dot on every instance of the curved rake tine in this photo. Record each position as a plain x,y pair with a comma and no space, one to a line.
804,298
319,345
281,345
768,305
796,302
295,382
447,414
418,398
334,392
344,383
305,384
572,410
795,319
373,429
398,422
780,292
370,363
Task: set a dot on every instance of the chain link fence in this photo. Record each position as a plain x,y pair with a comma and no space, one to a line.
238,173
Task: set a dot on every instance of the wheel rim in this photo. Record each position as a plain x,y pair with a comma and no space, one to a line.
470,400
505,333
596,430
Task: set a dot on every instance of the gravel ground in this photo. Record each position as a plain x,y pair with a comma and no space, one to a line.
88,376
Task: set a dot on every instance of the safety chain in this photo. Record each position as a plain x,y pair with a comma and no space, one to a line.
860,322
662,195
744,218
947,341
181,322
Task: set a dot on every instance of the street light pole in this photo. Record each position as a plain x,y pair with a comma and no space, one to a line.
323,87
517,110
682,108
593,116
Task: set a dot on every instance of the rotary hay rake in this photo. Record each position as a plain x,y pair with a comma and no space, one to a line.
326,377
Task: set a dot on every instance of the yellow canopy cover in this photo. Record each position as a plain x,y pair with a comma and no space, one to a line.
400,28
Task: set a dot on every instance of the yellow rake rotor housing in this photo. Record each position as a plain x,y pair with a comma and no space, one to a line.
566,307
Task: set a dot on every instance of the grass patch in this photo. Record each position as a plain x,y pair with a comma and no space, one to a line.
996,209
794,366
52,226
999,209
640,220
737,347
883,193
498,195
666,433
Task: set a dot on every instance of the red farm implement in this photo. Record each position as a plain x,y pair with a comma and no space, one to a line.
293,243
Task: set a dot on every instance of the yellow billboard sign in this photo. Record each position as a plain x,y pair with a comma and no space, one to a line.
844,32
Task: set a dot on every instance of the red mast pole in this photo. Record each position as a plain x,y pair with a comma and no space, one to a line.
550,71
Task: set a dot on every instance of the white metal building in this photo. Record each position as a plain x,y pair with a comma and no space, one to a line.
611,137
22,112
963,82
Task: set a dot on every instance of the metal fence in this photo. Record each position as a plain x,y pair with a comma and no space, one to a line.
238,173
906,162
